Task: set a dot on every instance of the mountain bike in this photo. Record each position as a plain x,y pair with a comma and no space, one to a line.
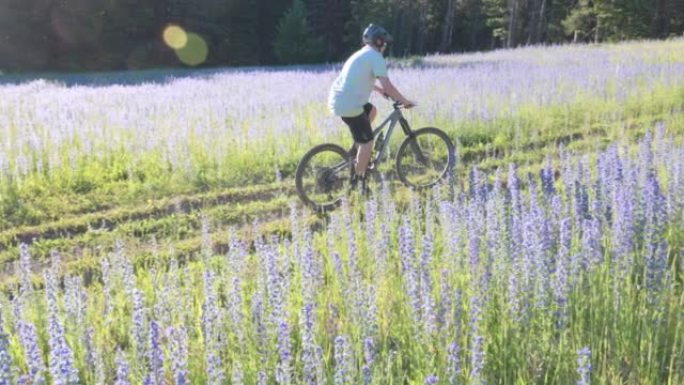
424,157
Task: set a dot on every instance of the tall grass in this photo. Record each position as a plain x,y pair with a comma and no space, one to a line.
570,276
192,134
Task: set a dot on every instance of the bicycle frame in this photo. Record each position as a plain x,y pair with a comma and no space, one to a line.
395,117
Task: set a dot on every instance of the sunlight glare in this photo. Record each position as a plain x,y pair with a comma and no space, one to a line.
194,52
175,37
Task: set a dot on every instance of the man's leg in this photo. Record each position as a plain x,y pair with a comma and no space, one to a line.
363,155
363,136
367,156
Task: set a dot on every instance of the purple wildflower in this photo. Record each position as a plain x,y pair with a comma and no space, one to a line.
309,347
308,267
262,378
210,330
369,356
581,201
258,320
32,352
477,357
445,305
561,276
275,284
407,252
6,362
156,355
477,353
428,316
235,308
62,366
450,218
592,254
94,359
431,380
75,303
371,223
514,292
584,366
284,366
295,228
547,178
454,363
623,227
343,361
179,352
26,288
138,328
370,319
382,247
237,377
122,370
515,225
107,288
654,241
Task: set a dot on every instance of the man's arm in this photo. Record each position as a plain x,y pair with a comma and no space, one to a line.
389,89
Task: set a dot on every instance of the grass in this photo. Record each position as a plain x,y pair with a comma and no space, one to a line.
131,208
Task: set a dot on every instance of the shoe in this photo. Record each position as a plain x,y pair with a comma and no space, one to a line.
358,183
353,182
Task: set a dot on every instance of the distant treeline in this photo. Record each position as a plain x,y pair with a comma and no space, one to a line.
75,35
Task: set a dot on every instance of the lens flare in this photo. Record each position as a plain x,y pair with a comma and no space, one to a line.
175,37
194,52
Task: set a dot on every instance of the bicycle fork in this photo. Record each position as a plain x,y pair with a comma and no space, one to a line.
413,143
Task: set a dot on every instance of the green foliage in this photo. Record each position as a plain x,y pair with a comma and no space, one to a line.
496,19
295,41
122,34
607,20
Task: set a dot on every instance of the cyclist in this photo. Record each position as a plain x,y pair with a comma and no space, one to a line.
350,93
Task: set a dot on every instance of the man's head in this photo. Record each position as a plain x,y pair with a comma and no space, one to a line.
377,37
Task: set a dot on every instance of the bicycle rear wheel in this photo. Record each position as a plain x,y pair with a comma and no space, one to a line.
425,158
323,176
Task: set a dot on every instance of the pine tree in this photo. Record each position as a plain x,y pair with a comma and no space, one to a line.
295,41
497,19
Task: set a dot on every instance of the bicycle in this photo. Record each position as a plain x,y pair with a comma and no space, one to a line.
424,157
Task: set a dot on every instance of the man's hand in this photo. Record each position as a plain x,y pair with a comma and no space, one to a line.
389,89
408,104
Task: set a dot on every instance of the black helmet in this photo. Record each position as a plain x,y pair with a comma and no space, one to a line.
374,32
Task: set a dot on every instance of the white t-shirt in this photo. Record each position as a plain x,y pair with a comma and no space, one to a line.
353,87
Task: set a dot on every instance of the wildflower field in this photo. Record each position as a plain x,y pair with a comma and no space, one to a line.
150,234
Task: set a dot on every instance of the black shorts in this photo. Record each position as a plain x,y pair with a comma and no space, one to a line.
360,126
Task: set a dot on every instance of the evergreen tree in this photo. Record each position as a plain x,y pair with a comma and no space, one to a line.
73,35
295,41
497,19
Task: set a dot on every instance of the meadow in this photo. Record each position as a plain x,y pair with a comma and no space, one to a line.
149,232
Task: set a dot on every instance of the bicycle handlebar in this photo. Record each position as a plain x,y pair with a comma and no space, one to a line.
396,104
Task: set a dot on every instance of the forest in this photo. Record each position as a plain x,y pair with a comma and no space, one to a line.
98,35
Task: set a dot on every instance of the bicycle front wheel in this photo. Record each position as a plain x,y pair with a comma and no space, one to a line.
322,176
424,158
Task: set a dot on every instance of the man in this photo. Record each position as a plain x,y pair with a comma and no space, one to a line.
351,91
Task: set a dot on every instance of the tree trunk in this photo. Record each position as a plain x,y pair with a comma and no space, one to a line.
541,27
511,41
448,27
533,21
422,26
660,27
